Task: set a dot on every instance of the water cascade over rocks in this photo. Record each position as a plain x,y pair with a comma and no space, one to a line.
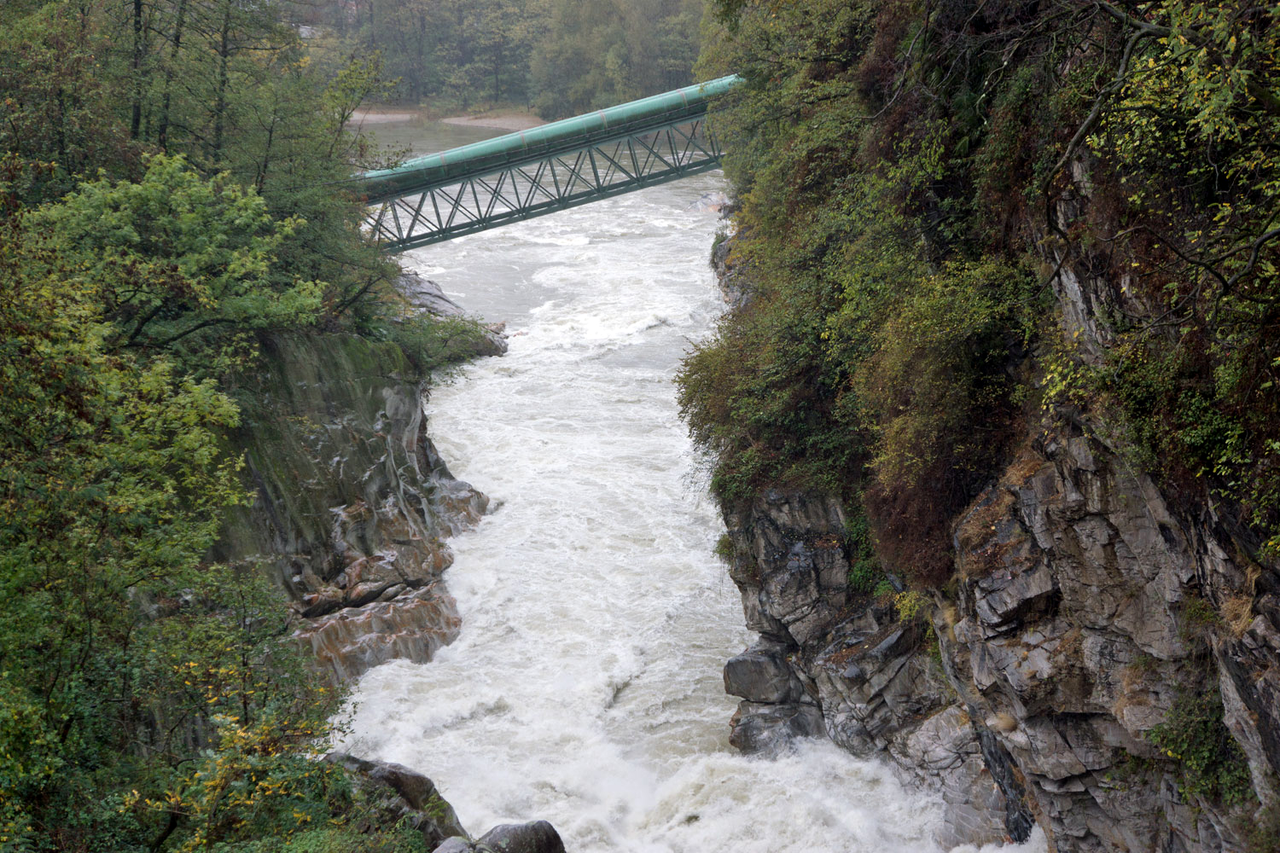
585,686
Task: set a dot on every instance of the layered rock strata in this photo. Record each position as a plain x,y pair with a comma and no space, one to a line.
1087,612
352,501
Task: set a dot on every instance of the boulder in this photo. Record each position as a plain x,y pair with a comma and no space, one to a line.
760,729
762,674
401,794
534,837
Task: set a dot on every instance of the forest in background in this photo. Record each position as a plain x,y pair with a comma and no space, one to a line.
558,57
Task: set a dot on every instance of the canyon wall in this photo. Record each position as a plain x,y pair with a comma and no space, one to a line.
352,504
1103,663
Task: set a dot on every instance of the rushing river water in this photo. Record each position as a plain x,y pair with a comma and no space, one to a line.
585,688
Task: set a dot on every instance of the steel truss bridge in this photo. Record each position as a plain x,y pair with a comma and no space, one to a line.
539,171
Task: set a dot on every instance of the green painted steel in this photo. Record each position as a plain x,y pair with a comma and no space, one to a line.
527,146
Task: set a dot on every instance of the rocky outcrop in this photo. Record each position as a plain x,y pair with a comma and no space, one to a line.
398,796
1087,610
731,271
1105,663
535,837
352,502
425,295
1083,612
832,663
714,202
791,571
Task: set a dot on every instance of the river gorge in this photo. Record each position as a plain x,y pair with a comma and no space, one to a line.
585,686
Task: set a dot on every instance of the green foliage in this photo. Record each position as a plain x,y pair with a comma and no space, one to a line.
111,483
596,53
433,343
935,380
873,358
149,701
344,840
1210,763
864,569
1263,833
56,106
1197,619
559,57
226,85
898,169
911,604
1192,143
725,549
174,255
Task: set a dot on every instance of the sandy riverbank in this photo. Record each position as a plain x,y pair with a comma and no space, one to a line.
383,116
496,119
499,120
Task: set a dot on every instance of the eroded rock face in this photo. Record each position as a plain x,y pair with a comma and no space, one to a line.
731,272
791,572
832,663
352,500
1084,608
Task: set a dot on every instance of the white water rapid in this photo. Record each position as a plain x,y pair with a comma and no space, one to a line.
585,688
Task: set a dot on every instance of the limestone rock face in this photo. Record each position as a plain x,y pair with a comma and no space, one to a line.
353,502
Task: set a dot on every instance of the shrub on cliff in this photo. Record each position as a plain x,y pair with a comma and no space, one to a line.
902,172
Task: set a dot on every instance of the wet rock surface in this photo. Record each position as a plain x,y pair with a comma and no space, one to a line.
1083,609
402,796
534,837
731,272
352,501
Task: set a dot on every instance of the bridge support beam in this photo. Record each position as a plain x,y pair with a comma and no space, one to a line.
535,187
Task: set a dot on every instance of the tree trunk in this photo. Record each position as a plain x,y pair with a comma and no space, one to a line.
162,136
224,77
135,122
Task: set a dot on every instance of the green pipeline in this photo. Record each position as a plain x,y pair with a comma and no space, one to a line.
546,140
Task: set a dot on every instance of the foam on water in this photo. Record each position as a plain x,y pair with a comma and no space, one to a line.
585,688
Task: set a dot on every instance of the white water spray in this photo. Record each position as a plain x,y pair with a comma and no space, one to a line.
585,688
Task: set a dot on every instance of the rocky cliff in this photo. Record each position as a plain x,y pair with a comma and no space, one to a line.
352,503
1105,662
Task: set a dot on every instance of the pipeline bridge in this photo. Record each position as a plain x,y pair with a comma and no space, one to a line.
543,170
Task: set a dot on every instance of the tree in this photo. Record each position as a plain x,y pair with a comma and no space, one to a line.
174,256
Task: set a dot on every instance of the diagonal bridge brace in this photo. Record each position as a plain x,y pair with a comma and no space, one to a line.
549,168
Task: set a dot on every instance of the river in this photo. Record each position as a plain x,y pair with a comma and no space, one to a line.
585,688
